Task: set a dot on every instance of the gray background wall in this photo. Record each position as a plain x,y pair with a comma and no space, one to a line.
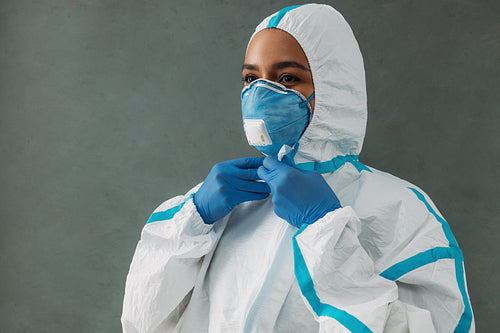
108,108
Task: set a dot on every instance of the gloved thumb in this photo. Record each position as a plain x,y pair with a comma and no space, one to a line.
263,173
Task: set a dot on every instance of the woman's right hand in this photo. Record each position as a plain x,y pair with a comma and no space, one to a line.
227,185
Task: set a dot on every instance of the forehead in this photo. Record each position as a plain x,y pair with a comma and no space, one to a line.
274,45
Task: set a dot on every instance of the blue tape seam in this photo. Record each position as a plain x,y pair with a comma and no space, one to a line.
275,20
333,164
432,255
302,275
394,272
465,321
306,286
421,259
444,224
169,213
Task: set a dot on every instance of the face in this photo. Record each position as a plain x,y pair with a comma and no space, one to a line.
275,55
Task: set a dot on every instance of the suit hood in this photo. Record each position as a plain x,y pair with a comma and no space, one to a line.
337,127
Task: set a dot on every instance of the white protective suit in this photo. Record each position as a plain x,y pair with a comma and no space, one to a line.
385,262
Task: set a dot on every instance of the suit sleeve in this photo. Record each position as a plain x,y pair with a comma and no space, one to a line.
165,265
341,287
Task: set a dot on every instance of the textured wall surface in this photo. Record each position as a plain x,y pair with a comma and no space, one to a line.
108,108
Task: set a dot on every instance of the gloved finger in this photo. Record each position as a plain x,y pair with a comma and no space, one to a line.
252,186
247,174
248,162
263,173
272,163
268,175
256,196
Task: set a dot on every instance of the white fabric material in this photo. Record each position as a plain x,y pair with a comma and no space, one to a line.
238,274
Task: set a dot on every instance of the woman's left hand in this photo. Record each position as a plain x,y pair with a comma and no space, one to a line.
298,196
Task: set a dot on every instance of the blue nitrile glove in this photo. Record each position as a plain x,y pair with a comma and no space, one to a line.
298,196
227,185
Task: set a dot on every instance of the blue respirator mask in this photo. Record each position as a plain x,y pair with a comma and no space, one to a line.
273,115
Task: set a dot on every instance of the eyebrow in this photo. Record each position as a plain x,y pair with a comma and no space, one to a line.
278,65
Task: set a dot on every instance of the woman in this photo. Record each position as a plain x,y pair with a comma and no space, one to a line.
307,239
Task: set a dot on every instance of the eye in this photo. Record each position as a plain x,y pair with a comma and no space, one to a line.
249,78
286,78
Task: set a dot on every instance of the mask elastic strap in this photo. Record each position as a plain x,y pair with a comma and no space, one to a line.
309,99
